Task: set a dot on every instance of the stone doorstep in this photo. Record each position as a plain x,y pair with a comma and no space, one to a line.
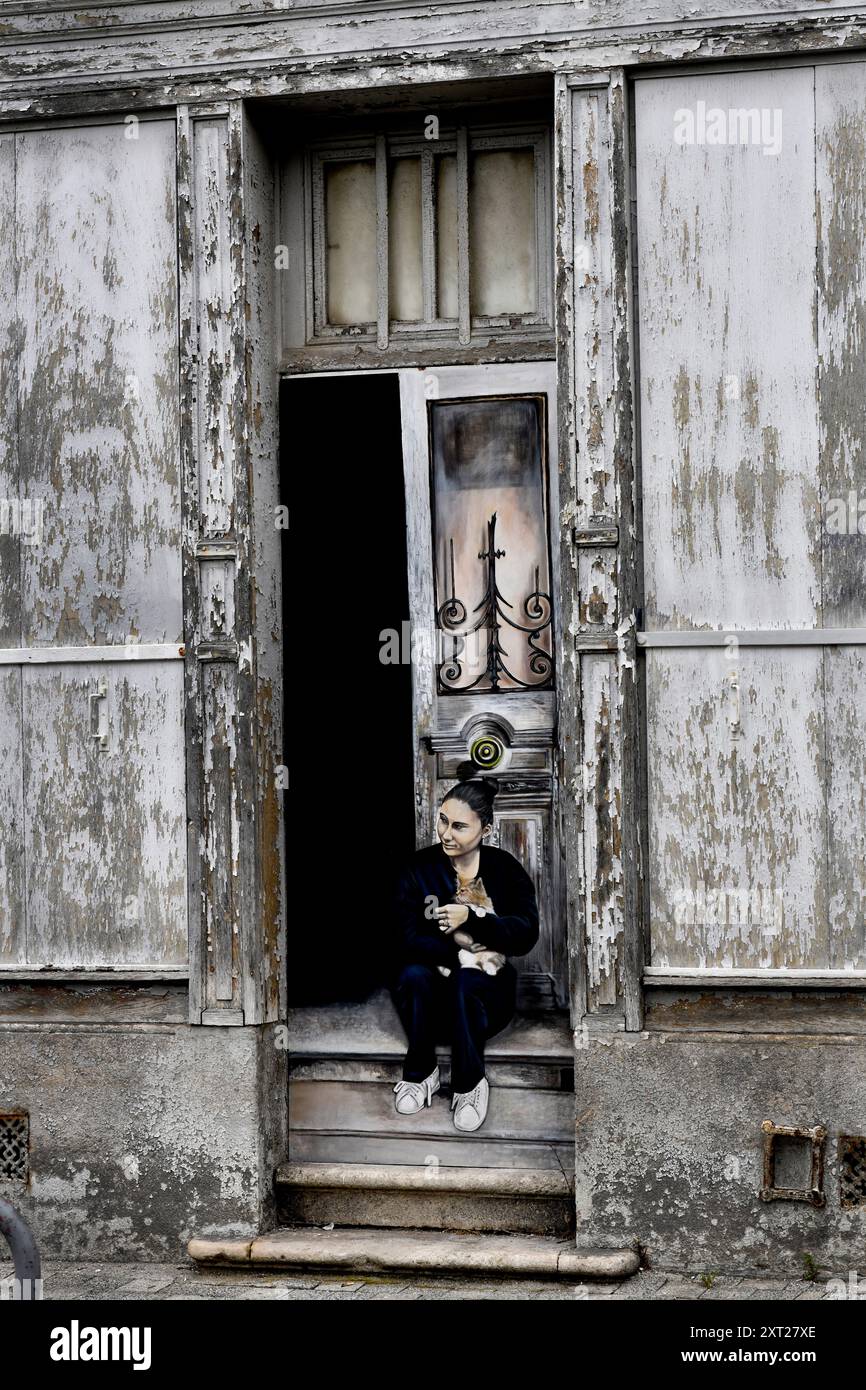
380,1251
373,1030
395,1177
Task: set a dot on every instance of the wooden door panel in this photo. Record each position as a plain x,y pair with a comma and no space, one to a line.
92,835
738,820
12,936
728,412
98,396
753,429
105,827
448,721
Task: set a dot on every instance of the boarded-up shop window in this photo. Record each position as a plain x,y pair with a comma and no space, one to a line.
751,233
93,826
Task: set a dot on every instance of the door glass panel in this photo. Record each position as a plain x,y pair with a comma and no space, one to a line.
502,270
350,222
404,241
446,236
489,462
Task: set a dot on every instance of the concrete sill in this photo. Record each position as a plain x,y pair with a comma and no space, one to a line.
376,1250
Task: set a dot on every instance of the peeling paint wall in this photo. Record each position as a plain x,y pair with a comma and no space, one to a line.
668,1149
752,424
96,840
218,36
144,1132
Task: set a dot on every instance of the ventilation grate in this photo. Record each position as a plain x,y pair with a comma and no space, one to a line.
784,1145
852,1170
14,1146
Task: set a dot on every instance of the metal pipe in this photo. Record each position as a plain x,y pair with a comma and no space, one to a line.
25,1252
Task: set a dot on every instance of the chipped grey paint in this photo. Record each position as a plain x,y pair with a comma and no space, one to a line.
96,871
741,451
104,849
366,44
97,397
840,116
128,1161
670,1154
598,582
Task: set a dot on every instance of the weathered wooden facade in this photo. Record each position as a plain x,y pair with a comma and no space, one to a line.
684,764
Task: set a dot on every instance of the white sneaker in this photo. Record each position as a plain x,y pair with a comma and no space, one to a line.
471,1106
412,1096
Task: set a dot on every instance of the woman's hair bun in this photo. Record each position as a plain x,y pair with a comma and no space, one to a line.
471,771
476,790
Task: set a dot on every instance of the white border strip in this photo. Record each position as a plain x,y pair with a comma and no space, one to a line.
717,975
119,652
758,637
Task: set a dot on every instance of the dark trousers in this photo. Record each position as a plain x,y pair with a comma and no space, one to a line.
464,1009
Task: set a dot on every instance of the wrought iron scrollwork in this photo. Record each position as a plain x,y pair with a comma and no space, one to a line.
452,615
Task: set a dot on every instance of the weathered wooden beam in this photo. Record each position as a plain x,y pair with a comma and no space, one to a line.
677,977
87,66
265,972
629,576
569,756
599,581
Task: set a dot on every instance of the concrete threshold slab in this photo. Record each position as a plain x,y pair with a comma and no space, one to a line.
373,1029
383,1251
397,1177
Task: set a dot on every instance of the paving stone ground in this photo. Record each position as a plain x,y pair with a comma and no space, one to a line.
172,1282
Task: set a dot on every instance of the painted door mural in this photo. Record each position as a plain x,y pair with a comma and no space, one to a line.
480,491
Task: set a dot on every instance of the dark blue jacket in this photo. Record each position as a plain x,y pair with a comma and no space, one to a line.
512,929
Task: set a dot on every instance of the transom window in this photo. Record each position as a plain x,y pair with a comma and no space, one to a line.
447,236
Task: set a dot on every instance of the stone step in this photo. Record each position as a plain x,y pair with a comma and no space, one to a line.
346,1106
372,1029
375,1250
459,1151
356,1122
344,1060
539,1201
534,1076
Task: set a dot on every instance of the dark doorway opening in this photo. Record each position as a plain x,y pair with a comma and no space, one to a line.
350,819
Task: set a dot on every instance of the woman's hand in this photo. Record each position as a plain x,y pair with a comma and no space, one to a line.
451,916
490,961
465,939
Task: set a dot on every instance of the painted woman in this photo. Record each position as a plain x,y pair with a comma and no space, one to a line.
463,908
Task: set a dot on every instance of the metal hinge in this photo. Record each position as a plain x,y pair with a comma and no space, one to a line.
99,713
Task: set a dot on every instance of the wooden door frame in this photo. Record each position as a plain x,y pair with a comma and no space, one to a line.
602,828
460,380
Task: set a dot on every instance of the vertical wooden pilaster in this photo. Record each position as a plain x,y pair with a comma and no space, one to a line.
599,716
228,437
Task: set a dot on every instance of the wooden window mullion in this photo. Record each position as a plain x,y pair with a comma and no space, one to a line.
381,242
428,238
464,326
